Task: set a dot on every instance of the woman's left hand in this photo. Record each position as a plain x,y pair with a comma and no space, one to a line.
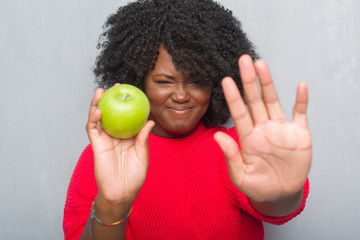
275,156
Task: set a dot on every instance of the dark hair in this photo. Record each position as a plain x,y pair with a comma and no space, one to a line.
204,39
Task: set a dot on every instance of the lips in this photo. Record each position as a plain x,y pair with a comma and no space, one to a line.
180,110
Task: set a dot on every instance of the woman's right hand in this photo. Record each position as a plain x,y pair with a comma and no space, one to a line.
120,164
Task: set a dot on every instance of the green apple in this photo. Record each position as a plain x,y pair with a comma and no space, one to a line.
124,111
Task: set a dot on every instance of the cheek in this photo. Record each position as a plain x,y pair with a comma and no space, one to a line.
157,97
203,98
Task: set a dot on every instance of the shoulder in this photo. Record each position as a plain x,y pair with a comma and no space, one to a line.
85,163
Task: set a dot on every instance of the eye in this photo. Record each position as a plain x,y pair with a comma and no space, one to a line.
193,84
162,82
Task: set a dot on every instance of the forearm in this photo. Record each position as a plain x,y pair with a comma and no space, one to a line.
279,208
107,213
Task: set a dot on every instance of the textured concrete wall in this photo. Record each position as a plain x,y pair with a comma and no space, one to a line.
47,49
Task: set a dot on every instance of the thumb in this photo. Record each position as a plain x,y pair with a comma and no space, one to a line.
233,157
141,141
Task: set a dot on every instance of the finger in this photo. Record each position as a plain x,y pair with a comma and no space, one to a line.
252,93
233,157
141,141
270,97
238,110
299,111
94,113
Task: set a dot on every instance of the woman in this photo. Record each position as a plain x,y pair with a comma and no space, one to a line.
183,176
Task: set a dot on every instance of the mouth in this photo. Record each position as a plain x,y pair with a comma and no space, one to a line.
180,111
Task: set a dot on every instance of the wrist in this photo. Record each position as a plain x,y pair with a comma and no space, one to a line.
282,206
109,211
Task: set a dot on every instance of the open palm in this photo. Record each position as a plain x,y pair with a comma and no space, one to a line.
275,155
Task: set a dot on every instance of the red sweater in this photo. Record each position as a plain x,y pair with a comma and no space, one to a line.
187,194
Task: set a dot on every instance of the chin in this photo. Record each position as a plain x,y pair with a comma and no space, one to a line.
181,131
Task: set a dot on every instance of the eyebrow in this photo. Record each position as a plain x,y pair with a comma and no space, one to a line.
165,75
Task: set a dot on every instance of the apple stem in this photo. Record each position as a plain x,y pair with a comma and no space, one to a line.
127,97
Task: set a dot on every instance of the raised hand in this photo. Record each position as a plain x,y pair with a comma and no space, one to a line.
275,156
120,164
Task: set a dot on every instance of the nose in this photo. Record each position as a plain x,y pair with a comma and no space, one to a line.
180,94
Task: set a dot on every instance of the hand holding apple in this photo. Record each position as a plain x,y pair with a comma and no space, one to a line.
125,110
120,164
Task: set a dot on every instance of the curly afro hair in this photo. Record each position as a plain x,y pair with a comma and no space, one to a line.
203,38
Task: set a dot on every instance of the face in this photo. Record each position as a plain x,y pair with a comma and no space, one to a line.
176,104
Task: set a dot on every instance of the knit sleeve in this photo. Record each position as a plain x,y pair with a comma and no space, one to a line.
80,195
241,201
